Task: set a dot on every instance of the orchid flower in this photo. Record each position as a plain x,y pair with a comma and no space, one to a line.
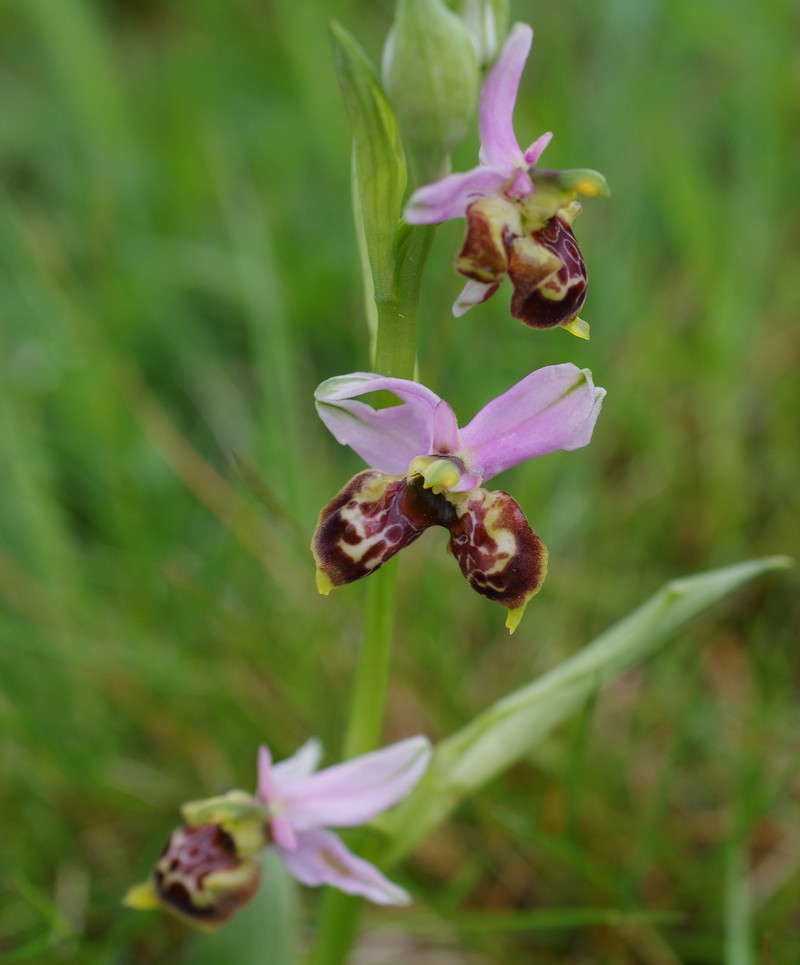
518,217
209,867
428,472
302,804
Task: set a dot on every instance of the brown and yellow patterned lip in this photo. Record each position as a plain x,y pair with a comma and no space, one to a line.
201,878
543,260
370,520
498,552
558,298
376,515
490,222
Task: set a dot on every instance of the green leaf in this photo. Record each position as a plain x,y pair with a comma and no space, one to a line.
515,724
378,160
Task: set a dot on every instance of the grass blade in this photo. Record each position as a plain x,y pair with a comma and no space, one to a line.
515,724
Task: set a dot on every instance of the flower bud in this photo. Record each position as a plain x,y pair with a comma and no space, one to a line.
430,72
487,23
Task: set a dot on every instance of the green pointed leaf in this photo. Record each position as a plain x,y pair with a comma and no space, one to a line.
518,722
379,163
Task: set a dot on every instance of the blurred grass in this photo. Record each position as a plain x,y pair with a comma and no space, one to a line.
178,271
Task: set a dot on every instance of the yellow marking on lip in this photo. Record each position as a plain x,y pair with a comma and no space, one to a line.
142,897
578,327
324,584
514,616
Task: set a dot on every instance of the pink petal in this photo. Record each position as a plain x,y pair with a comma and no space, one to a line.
280,829
266,785
450,197
321,859
473,293
498,143
352,793
386,439
445,430
521,186
283,833
536,149
299,765
553,408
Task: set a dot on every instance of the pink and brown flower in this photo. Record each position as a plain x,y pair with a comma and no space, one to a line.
428,472
519,217
210,866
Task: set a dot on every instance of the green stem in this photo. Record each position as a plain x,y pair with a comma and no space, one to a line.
372,673
396,344
338,925
395,355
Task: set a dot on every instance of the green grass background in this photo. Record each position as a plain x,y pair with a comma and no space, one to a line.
178,271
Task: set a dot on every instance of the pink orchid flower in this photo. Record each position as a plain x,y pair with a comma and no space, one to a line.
209,868
518,218
303,804
427,471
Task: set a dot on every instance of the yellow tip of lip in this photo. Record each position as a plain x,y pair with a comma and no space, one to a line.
324,584
578,327
141,897
513,618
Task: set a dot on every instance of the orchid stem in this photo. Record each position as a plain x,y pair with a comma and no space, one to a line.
338,924
366,715
395,355
396,344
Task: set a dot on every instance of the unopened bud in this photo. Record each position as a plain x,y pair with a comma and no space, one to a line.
487,23
430,72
